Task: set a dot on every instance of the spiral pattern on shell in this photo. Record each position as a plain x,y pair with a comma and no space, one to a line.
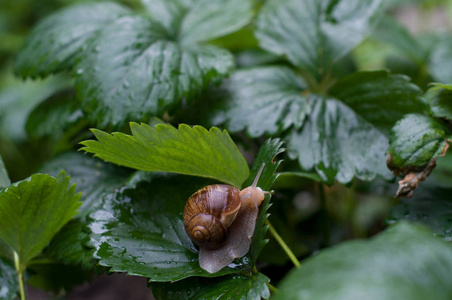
208,214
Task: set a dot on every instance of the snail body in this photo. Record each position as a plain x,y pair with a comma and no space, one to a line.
220,219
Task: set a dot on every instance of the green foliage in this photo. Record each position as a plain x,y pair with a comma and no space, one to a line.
191,151
94,178
153,61
231,287
19,99
379,97
440,61
54,116
127,239
199,20
381,268
272,94
267,155
393,33
416,139
339,83
159,73
441,102
431,207
339,148
32,211
66,246
8,280
314,35
56,277
54,45
4,179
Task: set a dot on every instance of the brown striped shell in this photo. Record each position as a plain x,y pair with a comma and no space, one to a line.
208,214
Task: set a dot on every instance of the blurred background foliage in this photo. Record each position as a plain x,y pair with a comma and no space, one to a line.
306,224
427,21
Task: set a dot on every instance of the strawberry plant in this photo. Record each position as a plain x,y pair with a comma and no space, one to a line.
330,108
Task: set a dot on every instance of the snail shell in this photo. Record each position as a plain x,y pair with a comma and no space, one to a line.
220,219
208,214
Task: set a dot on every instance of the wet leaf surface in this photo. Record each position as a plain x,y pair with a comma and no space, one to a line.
329,30
262,100
403,262
228,287
339,144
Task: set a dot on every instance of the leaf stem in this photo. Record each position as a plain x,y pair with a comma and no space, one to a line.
283,244
20,275
272,289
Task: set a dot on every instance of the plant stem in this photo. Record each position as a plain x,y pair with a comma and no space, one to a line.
20,275
272,289
283,244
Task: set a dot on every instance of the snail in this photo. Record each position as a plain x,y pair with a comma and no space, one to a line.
220,219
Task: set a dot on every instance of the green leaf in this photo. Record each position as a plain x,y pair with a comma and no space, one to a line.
441,103
55,115
268,155
130,66
392,32
255,57
200,20
19,99
441,85
191,151
132,234
429,206
137,177
240,41
168,13
404,262
314,34
440,61
230,287
4,179
94,178
34,210
339,143
263,100
131,71
9,287
441,175
56,277
310,176
399,64
416,139
379,97
6,251
67,246
55,43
